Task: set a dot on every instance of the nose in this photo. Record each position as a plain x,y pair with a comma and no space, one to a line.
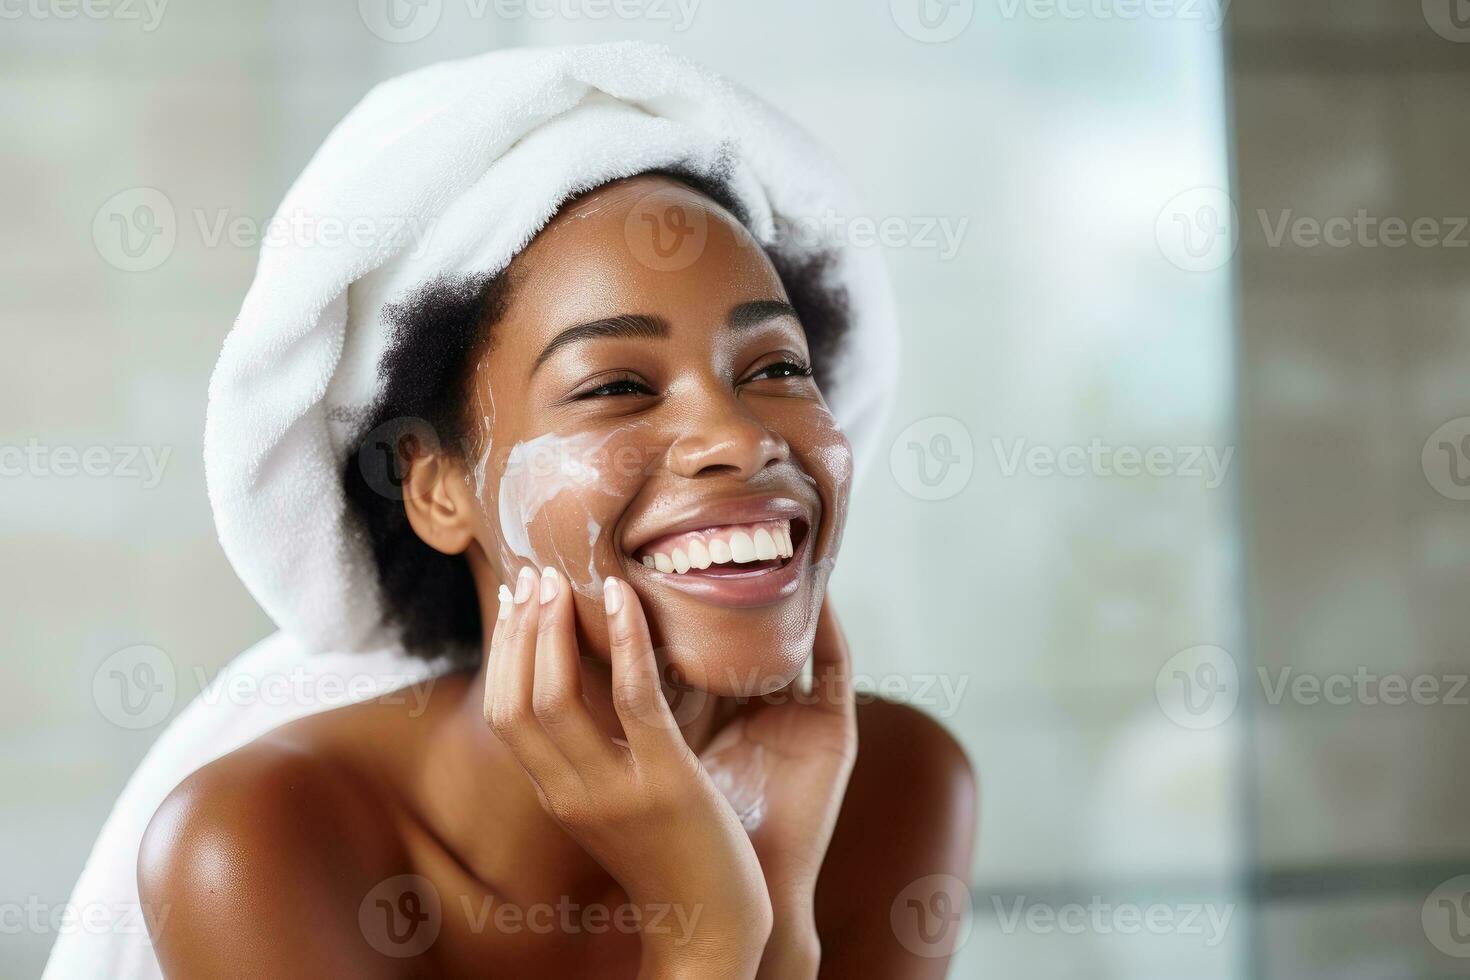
726,439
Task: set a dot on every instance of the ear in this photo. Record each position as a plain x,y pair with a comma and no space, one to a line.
437,497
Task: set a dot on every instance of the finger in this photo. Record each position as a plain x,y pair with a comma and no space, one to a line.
556,696
648,725
509,667
502,614
497,643
831,663
508,700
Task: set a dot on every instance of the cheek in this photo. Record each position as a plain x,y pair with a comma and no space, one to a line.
557,502
819,445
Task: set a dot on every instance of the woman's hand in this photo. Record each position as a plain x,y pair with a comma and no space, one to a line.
796,749
647,811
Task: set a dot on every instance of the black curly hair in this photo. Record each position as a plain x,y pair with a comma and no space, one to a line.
438,336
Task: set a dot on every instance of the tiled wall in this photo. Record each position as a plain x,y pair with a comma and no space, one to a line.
1351,357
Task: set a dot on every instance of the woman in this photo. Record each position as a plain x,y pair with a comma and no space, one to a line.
613,496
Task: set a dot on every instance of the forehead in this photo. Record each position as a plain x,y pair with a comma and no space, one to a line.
643,245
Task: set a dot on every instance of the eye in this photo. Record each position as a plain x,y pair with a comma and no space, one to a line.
626,384
790,368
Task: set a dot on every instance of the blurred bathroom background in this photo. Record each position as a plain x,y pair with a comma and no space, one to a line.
1172,520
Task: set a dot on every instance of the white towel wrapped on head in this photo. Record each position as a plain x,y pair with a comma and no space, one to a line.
447,171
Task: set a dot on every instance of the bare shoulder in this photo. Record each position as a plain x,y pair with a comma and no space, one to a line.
910,813
896,741
279,834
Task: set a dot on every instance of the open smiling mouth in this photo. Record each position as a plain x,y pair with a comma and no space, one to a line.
729,549
744,564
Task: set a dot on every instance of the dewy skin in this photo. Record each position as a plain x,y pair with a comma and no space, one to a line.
538,472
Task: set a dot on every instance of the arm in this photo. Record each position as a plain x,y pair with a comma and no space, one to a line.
849,834
805,742
910,812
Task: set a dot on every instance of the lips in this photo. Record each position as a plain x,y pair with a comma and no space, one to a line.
731,553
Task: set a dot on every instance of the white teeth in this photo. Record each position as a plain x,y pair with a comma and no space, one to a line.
766,543
742,549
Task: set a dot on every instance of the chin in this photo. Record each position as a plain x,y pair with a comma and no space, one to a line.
741,654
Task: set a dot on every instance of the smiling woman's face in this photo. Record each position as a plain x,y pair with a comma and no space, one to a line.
645,410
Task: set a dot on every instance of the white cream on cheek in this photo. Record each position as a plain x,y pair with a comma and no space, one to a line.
546,469
487,423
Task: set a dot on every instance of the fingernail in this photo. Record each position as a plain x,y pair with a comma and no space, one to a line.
505,603
524,581
612,596
548,584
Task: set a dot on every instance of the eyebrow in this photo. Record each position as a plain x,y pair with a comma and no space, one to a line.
643,325
623,325
756,312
